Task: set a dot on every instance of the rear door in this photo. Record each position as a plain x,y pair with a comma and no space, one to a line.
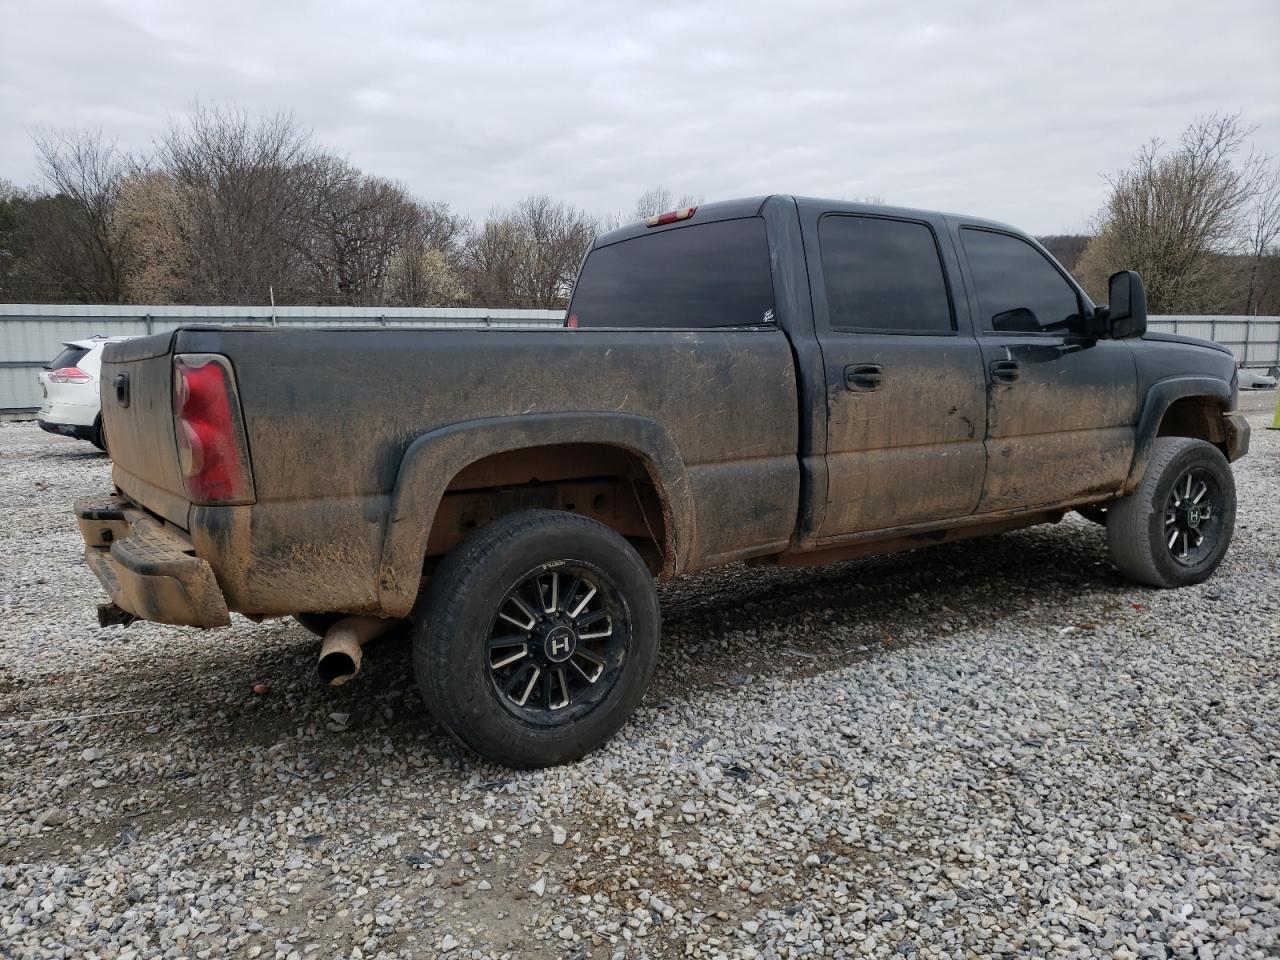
905,393
1062,407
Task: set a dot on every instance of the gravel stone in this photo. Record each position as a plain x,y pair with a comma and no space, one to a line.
991,748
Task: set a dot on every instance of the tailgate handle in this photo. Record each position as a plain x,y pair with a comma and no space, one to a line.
863,377
121,383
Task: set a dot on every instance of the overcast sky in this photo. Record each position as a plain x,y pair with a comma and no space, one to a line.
1011,109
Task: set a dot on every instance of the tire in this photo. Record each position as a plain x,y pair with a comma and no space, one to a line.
317,623
99,437
1094,514
1142,526
545,591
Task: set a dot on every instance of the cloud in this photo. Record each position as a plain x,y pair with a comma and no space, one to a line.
1010,109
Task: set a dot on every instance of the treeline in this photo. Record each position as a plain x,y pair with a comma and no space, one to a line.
232,209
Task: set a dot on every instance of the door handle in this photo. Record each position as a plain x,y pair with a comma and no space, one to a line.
863,377
1005,371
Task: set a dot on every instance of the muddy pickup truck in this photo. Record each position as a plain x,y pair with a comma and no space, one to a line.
776,381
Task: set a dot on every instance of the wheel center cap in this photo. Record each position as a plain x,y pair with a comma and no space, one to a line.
559,644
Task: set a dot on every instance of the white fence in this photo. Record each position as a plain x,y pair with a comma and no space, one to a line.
32,334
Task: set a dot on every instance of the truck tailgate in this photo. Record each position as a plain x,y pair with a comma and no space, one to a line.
137,413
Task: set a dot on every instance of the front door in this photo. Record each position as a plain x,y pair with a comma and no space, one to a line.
906,399
1062,407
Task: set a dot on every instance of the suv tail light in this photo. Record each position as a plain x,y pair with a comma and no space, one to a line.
69,375
212,451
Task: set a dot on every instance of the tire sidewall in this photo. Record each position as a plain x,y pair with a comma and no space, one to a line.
1201,456
450,655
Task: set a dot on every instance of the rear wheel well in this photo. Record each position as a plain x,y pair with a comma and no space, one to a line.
606,483
1197,417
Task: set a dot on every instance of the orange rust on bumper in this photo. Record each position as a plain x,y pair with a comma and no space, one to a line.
147,567
1236,427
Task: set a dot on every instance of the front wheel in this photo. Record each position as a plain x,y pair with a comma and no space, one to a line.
1174,529
537,637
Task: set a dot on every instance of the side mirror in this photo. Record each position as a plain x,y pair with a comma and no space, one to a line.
1017,320
1127,311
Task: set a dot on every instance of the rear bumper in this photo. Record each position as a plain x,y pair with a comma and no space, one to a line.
148,568
1237,429
77,430
68,413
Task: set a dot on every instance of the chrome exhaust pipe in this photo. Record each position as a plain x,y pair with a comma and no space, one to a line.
341,651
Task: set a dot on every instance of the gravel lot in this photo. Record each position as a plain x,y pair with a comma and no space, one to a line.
993,748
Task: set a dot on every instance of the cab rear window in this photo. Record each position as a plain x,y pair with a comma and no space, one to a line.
706,275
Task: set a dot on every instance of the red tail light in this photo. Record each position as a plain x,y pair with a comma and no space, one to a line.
212,450
69,375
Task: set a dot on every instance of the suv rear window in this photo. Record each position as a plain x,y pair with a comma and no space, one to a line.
67,358
708,275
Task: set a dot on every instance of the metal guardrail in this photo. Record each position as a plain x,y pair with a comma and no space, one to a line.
1255,341
31,334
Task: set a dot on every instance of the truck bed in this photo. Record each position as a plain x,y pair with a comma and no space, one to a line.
332,415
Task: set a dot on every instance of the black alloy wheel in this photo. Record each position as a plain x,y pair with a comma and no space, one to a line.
1192,517
558,641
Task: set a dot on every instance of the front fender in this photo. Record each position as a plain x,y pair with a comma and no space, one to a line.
435,458
1162,395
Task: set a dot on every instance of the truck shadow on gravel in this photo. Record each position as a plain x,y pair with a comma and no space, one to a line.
720,629
729,624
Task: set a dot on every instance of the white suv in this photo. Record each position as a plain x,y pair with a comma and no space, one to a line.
71,401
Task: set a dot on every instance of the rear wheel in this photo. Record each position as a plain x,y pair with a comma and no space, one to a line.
1175,528
537,637
99,436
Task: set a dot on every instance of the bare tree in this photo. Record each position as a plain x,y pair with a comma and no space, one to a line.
529,256
149,211
427,269
659,199
238,185
72,240
1263,237
1174,214
352,228
421,276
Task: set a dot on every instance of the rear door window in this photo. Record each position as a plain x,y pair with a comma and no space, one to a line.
883,276
67,358
707,275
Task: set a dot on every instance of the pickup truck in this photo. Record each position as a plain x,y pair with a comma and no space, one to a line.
775,380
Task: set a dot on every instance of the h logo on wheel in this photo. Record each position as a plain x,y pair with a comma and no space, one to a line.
559,644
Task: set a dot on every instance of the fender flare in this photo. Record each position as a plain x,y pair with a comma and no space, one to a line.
433,459
1160,397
